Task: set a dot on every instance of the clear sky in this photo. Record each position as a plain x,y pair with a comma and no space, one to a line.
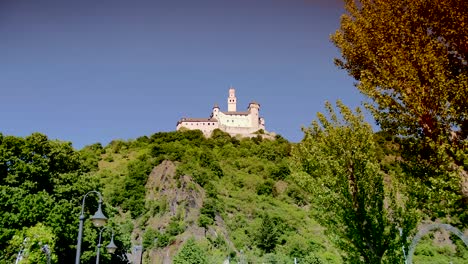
90,71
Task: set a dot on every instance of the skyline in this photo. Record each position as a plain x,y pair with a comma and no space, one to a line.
96,71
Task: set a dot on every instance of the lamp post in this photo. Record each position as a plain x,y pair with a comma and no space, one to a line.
98,219
110,248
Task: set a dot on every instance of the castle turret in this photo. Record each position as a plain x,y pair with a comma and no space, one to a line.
215,111
254,109
262,123
232,100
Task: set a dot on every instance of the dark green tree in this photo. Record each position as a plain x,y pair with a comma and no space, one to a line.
267,235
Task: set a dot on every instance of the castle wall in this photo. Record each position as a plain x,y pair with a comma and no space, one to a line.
205,127
238,130
234,120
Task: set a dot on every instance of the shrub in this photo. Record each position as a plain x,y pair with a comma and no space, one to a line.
190,253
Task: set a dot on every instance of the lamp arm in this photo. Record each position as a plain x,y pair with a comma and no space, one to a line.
86,195
102,230
99,241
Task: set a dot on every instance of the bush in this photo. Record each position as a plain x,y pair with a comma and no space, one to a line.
163,240
149,238
190,253
280,172
266,188
175,227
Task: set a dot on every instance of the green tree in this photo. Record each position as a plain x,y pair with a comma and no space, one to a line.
204,221
190,253
267,236
410,58
311,259
336,162
134,185
42,181
148,238
36,243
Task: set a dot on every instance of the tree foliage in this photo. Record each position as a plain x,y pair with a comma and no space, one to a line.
410,58
267,236
190,253
229,169
336,162
42,181
36,244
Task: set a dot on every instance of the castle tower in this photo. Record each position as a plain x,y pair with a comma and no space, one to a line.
215,111
232,100
254,109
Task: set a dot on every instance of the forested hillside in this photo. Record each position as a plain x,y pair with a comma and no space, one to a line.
244,204
238,200
183,196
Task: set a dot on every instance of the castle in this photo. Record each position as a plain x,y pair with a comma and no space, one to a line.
235,123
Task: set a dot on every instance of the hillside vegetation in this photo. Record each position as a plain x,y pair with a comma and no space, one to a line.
181,196
234,196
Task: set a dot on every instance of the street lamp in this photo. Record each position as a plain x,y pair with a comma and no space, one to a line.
110,248
98,219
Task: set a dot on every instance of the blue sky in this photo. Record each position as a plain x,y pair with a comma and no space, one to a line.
96,70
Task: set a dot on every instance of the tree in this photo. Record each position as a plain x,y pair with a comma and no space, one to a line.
410,58
42,181
267,236
204,221
336,162
36,244
190,253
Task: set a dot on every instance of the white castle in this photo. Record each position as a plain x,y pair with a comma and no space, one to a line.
246,124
